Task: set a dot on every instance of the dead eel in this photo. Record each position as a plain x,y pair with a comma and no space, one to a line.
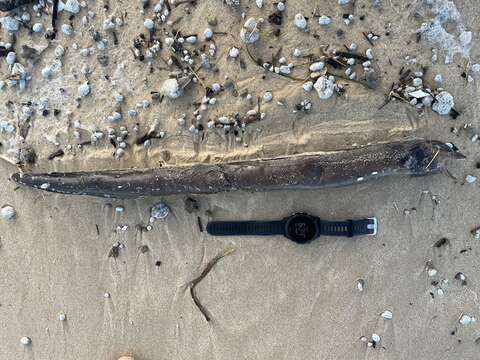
305,171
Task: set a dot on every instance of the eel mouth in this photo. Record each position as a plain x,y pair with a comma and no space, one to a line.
304,171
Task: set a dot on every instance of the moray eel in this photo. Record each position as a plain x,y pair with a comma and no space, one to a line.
7,5
305,171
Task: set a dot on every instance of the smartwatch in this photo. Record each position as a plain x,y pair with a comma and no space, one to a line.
299,227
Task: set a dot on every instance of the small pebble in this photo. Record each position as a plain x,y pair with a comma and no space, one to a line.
10,58
417,82
470,179
317,66
443,103
62,317
234,52
7,212
149,24
308,86
267,97
67,29
325,87
37,28
324,20
84,90
25,341
439,79
300,21
466,320
171,89
360,285
369,54
387,315
208,34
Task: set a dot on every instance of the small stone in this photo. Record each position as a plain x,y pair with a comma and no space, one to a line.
417,82
67,29
324,20
317,66
343,2
250,33
475,68
159,211
443,103
259,3
84,90
37,28
470,179
418,94
281,6
171,88
208,33
191,205
25,341
466,320
10,58
62,317
297,53
267,97
387,315
308,86
149,24
7,212
432,272
360,285
234,52
325,87
376,338
9,23
191,39
72,6
300,21
369,54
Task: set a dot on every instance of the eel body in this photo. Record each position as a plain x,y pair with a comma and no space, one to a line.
7,5
305,171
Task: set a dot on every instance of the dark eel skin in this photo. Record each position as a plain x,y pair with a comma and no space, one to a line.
7,5
305,171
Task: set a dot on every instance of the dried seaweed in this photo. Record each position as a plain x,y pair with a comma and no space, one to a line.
192,284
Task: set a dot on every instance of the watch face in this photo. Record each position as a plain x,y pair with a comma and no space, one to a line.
301,228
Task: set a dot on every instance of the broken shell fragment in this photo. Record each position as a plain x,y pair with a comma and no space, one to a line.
250,33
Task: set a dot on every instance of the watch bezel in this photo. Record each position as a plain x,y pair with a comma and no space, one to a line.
314,221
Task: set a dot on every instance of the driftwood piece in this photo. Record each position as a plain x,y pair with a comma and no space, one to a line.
305,171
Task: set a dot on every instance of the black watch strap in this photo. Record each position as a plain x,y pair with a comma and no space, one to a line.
246,228
349,228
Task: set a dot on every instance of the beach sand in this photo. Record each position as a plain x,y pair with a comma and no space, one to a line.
270,298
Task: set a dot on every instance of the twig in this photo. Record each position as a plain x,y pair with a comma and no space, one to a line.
192,284
432,160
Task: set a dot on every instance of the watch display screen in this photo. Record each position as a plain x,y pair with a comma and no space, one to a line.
301,228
